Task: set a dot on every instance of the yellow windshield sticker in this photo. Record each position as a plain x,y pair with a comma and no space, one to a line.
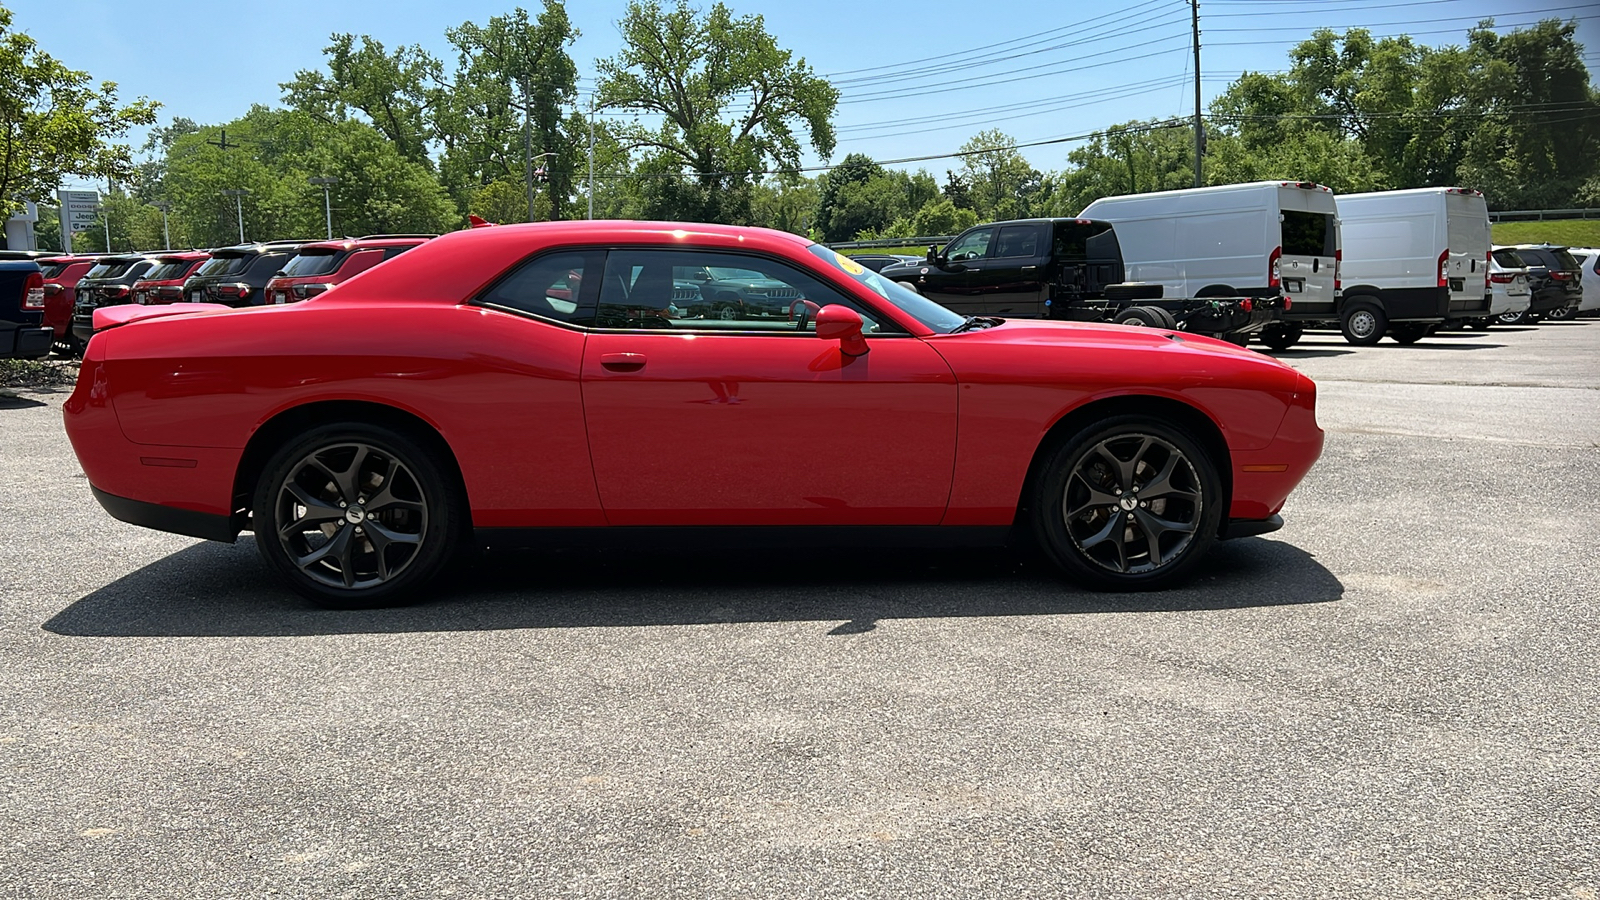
849,265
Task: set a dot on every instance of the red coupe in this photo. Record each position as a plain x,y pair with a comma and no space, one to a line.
501,386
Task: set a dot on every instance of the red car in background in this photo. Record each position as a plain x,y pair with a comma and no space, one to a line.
466,392
322,265
164,283
61,277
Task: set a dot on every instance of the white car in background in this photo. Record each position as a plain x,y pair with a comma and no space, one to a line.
1508,287
1589,259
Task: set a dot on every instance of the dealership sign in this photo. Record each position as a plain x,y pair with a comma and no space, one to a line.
80,210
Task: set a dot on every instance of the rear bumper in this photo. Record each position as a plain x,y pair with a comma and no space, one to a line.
1238,528
187,522
26,341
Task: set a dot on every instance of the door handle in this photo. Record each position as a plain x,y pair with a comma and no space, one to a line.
1029,268
622,362
974,269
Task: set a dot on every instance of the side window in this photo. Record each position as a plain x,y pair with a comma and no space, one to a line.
972,245
549,286
1017,241
700,290
268,263
392,252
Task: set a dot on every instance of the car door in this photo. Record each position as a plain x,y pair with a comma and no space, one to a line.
701,420
1011,281
951,283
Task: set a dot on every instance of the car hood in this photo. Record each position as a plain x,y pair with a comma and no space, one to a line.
1199,355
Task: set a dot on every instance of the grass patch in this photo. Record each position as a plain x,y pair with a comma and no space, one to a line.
1568,232
25,373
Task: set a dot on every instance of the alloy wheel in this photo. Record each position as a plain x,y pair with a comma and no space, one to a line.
1133,503
350,515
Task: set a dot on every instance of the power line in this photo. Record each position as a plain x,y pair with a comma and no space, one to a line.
1123,95
960,86
1317,7
1432,21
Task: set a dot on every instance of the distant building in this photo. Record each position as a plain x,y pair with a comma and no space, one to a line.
19,228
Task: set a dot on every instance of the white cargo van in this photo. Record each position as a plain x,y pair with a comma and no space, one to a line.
1262,239
1413,259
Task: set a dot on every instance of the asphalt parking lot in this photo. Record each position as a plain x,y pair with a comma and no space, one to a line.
1394,696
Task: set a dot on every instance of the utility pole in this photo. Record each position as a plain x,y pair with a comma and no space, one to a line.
238,202
326,183
106,214
527,141
1199,132
166,236
591,155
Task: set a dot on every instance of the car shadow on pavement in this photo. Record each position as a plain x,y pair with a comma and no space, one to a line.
214,589
10,401
1292,353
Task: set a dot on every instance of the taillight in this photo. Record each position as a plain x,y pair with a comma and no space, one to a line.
1246,305
1501,277
1561,276
1488,260
33,291
51,290
1444,268
306,291
239,291
1288,304
1338,258
1273,280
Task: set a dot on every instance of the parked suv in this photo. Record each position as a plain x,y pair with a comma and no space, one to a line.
23,334
238,276
109,283
321,265
1508,288
164,283
1555,278
61,277
1589,258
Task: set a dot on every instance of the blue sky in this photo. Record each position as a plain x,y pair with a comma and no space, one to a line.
937,71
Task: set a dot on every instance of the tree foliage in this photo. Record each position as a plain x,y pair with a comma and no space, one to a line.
729,99
55,123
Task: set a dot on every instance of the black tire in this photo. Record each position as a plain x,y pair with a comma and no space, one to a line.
1081,504
1483,324
323,482
1168,320
1562,313
1517,318
1142,316
1363,323
1236,338
1282,335
1134,290
1408,333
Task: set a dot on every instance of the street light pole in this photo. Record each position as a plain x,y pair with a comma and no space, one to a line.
327,182
591,156
106,214
166,235
238,202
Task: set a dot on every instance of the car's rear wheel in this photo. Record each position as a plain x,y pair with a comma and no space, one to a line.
1130,503
1562,313
1146,317
1519,317
357,516
1282,336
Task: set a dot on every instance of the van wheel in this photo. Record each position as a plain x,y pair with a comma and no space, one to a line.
1363,323
1408,334
356,516
1281,336
1129,503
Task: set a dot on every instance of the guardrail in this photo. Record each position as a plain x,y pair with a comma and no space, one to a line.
889,242
1539,215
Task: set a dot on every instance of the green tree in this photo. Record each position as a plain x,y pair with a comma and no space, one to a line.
941,216
998,180
54,123
394,92
1131,158
730,100
508,103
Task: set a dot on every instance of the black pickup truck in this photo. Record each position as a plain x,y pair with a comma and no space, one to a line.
23,334
1065,269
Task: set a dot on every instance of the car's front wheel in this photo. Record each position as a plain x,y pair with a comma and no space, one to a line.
357,516
1129,503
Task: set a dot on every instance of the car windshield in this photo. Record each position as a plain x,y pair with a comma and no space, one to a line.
54,270
113,269
1508,259
312,262
918,307
224,265
168,269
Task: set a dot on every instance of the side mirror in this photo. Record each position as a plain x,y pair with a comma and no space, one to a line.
842,324
933,254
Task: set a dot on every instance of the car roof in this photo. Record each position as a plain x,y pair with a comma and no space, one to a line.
367,243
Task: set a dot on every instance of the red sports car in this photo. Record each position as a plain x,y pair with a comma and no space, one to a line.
499,386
